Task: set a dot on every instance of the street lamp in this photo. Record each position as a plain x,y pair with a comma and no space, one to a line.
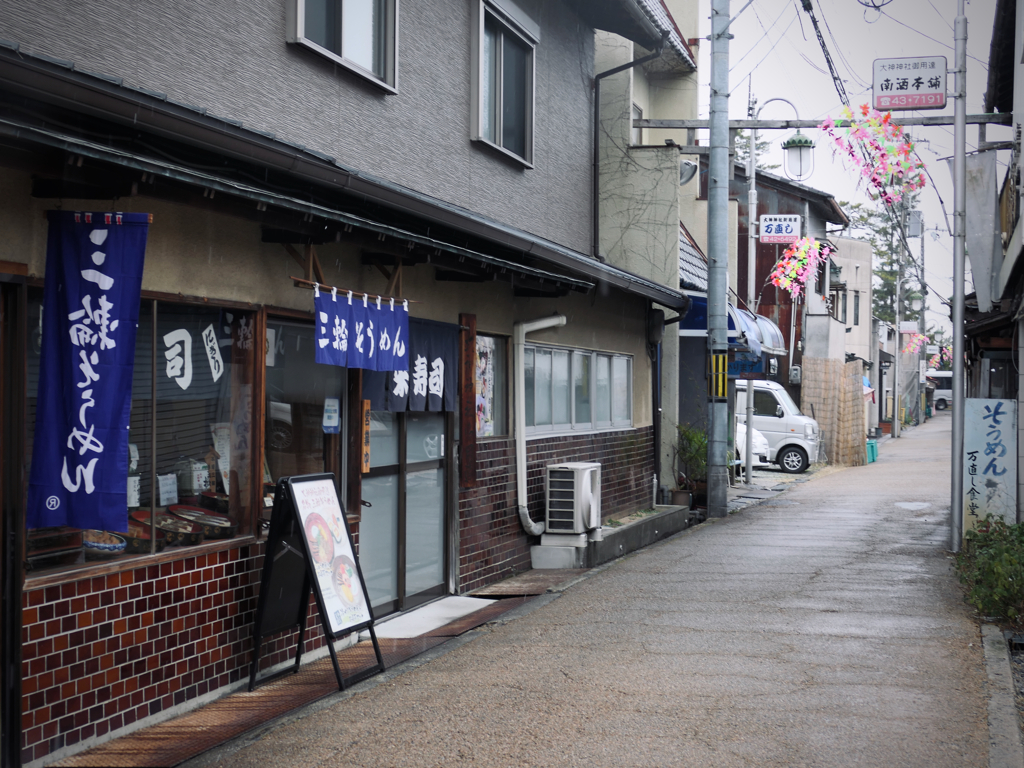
799,164
799,158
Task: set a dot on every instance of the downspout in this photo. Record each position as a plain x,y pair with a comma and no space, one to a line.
519,331
595,191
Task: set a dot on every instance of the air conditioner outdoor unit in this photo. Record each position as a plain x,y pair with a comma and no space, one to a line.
573,497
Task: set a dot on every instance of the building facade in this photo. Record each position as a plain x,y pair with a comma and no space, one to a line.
439,155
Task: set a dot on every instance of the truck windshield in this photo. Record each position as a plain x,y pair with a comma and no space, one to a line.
783,395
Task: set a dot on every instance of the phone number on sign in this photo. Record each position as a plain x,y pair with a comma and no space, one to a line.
912,101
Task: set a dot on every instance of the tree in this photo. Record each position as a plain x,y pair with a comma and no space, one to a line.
761,146
873,225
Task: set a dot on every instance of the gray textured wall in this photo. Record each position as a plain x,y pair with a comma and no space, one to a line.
231,58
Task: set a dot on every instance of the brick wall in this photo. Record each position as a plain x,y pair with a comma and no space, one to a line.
493,544
103,653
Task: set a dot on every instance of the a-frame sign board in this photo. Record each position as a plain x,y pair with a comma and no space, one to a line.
310,547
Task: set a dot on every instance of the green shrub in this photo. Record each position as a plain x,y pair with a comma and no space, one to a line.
992,566
691,455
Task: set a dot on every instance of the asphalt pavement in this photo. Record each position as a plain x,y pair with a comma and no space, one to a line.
821,627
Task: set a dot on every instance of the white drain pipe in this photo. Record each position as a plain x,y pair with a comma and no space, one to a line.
519,331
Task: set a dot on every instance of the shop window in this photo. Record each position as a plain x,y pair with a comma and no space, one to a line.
576,390
191,436
491,385
304,405
358,34
504,79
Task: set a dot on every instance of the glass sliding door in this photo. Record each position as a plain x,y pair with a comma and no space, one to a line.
402,535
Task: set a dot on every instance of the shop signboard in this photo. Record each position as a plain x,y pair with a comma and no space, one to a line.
354,332
309,547
746,367
990,461
91,302
776,228
909,83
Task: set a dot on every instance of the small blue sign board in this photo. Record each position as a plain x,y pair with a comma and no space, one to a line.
746,368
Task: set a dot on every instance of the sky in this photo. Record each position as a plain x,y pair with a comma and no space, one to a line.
775,53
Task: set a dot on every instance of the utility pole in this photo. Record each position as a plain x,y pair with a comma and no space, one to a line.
956,506
718,260
748,448
897,388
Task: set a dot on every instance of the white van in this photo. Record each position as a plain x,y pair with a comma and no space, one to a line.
943,397
792,436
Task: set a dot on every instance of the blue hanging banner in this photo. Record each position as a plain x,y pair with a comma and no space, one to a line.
386,335
428,380
361,346
91,300
332,328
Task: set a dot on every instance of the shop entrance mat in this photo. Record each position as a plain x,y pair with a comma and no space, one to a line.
535,582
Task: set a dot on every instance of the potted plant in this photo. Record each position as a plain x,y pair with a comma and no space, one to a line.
691,459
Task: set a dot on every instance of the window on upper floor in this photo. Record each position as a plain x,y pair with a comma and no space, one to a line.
503,74
636,135
361,35
856,307
842,314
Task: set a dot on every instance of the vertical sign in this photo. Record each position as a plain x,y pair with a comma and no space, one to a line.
338,580
364,439
91,302
719,379
467,400
990,461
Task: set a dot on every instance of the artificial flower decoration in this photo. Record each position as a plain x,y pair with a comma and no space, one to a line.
880,149
942,357
798,264
917,341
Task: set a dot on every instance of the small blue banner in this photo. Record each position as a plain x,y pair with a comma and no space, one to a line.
361,334
428,378
91,300
333,324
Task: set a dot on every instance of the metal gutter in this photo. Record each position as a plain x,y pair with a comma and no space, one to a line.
596,148
59,84
227,186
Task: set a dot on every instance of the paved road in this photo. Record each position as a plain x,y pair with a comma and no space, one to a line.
822,628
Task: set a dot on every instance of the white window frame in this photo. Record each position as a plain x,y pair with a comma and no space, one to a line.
296,21
576,424
513,21
636,135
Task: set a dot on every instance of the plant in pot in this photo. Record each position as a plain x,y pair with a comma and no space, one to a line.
692,461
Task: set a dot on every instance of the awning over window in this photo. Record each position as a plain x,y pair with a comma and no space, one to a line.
747,331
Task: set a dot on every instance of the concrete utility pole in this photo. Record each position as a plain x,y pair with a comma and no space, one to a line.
897,419
748,450
956,506
718,260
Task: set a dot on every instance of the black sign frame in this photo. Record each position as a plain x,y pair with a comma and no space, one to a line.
286,583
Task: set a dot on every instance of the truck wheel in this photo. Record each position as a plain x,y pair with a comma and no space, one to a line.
792,460
940,405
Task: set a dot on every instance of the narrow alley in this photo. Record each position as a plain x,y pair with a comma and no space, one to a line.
823,627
